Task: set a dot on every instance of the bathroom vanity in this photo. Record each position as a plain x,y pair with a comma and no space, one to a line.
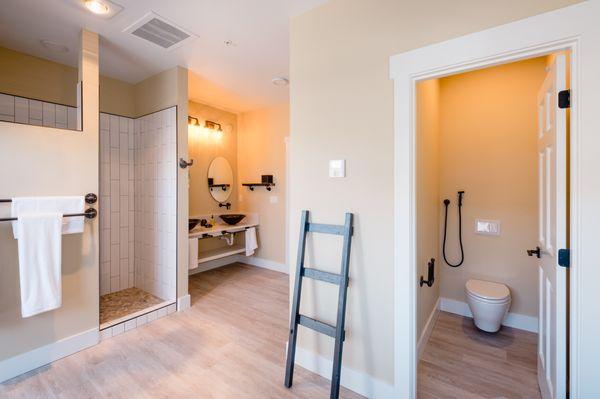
234,234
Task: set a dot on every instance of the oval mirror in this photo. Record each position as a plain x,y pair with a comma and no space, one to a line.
220,179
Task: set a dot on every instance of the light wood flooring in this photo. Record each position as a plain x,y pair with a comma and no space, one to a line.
463,362
230,344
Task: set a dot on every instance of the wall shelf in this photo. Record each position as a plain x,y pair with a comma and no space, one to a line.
206,256
251,186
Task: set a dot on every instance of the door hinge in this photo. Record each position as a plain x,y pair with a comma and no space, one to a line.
564,257
564,99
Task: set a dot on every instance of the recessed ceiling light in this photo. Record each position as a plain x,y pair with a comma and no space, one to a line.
96,6
57,47
280,81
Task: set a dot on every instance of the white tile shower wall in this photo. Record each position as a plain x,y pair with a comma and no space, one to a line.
155,203
39,113
116,203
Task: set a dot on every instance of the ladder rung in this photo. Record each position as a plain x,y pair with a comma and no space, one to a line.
317,325
326,228
322,276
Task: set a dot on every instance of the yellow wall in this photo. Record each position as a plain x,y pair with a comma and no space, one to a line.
262,151
59,162
203,148
427,196
342,108
32,77
488,123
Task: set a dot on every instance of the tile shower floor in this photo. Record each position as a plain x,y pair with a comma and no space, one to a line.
125,302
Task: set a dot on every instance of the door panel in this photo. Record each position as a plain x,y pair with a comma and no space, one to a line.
552,136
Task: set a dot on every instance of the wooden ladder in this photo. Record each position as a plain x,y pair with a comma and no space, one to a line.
341,280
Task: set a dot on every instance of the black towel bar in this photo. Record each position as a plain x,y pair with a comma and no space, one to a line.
89,213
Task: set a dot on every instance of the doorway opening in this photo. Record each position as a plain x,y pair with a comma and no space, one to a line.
491,186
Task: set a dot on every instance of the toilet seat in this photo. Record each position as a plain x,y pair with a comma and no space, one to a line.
487,291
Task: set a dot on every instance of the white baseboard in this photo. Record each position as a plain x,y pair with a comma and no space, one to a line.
356,381
184,303
426,333
46,354
515,320
264,263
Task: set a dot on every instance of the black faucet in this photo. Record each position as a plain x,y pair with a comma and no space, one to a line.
226,205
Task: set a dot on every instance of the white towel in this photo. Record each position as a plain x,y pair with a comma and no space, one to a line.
193,258
62,205
251,243
39,246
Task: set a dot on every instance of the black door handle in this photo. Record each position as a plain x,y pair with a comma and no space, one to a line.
537,252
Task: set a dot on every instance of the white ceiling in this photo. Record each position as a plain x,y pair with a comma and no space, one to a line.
242,73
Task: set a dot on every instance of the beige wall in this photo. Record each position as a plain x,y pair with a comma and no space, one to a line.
164,90
59,162
32,77
203,148
117,97
262,151
427,196
342,107
489,149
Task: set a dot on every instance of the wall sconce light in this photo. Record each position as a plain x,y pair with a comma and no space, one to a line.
210,125
193,121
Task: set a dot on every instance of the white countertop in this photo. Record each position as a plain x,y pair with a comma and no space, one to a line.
251,220
219,228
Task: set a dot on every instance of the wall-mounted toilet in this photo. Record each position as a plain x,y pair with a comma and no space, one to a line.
489,302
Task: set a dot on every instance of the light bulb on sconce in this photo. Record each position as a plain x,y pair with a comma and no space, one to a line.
210,128
214,128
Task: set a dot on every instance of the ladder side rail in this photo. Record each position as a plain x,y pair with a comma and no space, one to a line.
291,349
341,315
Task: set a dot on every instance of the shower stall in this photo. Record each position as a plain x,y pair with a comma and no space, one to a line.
138,206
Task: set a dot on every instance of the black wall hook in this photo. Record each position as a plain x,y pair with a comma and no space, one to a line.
430,274
184,164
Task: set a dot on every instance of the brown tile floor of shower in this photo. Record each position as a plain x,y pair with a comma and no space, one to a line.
122,303
460,361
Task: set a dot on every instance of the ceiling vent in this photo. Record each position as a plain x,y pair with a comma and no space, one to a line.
157,30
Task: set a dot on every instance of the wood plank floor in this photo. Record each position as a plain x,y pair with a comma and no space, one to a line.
463,362
230,344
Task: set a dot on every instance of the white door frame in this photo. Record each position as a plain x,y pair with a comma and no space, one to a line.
571,28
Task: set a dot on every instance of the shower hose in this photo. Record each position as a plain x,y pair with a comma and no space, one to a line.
462,252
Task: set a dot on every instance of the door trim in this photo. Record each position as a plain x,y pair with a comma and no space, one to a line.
564,29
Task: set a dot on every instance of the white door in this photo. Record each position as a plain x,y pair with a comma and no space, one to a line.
552,155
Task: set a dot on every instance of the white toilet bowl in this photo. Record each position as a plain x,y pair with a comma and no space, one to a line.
489,302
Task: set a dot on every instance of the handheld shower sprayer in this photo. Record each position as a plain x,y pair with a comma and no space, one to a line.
462,252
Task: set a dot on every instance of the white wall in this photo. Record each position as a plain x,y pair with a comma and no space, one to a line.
427,204
116,203
155,193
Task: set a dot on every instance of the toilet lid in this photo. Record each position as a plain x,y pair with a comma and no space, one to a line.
487,289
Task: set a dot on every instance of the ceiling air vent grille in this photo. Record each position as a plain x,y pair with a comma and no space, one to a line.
157,30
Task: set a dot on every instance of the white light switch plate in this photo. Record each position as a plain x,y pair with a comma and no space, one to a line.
487,227
337,168
273,199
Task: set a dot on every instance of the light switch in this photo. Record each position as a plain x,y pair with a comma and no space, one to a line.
273,199
337,168
487,227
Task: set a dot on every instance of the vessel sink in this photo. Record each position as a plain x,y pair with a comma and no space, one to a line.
232,219
193,223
